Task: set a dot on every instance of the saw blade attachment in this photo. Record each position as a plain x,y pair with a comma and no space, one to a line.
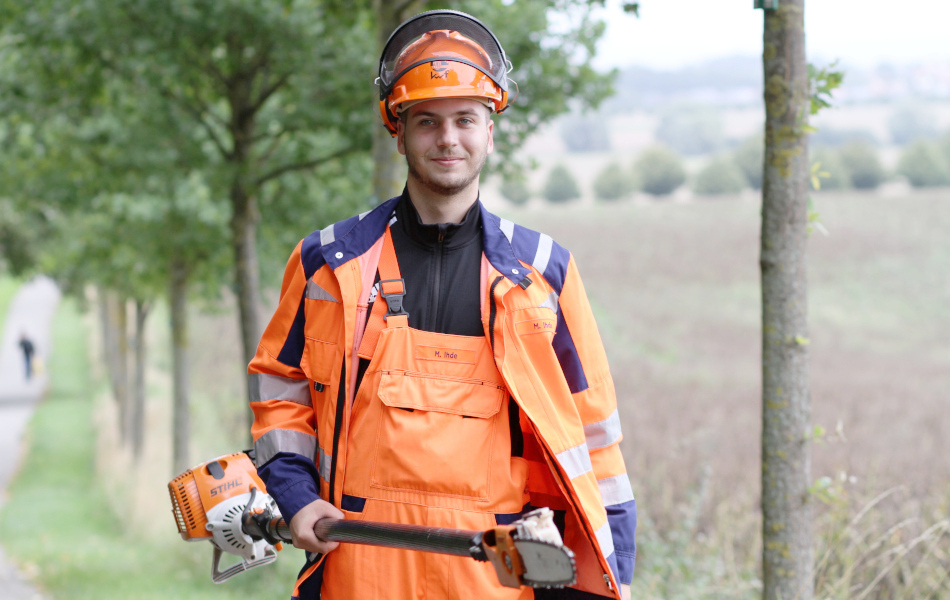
530,552
546,560
545,564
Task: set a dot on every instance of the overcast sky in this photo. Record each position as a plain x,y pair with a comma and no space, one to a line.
673,33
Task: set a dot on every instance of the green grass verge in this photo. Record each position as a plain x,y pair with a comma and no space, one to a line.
8,287
57,524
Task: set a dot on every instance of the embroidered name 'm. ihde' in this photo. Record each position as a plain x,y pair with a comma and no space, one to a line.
459,355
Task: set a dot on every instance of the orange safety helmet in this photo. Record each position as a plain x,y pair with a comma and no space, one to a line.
441,54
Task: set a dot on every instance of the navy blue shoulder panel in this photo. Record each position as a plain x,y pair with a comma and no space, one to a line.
311,257
567,356
292,350
506,243
346,239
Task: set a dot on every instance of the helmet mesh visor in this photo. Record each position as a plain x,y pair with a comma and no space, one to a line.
415,28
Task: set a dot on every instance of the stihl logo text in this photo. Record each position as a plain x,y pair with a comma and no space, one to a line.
229,485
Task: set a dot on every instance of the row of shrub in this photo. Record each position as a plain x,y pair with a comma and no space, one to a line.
658,171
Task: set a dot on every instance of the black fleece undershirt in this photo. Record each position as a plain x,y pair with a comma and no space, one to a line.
441,264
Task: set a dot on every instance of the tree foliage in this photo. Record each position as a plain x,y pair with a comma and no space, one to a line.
514,188
659,170
560,186
614,183
863,165
828,169
924,165
945,146
720,176
749,157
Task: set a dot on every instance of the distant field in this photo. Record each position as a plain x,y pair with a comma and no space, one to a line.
675,287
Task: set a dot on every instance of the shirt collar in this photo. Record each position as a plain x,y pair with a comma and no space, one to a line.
453,235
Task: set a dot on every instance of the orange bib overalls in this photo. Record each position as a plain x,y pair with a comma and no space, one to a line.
428,444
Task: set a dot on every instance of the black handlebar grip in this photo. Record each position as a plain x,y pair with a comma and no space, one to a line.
441,540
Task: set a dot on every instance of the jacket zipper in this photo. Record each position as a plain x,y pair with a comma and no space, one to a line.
437,283
492,312
337,430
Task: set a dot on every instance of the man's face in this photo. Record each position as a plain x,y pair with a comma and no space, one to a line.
446,143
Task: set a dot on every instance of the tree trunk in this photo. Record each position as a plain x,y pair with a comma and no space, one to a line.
120,364
137,428
389,167
244,221
109,343
181,417
246,276
786,405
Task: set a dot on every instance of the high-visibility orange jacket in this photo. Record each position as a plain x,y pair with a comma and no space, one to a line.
546,347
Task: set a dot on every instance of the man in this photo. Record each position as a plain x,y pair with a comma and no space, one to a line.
26,346
432,364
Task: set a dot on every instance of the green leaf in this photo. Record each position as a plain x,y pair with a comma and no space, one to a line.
823,82
632,7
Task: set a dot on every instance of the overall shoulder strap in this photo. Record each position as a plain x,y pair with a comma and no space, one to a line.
392,289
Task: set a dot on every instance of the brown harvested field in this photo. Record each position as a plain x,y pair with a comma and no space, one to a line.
675,288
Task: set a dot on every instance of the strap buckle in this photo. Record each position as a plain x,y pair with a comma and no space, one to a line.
393,299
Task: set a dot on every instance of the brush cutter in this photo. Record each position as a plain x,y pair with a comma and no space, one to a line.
225,502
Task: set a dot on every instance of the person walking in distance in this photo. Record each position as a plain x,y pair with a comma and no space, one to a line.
28,349
430,363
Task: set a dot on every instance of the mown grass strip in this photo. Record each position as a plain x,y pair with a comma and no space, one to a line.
56,522
8,288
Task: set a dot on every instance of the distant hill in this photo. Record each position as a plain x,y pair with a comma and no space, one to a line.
724,81
737,82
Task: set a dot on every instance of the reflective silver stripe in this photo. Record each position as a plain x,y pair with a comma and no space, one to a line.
605,540
551,302
273,387
508,228
315,292
615,490
284,440
543,255
603,433
363,215
326,461
576,461
327,236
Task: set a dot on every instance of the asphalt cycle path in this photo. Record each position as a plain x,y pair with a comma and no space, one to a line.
30,314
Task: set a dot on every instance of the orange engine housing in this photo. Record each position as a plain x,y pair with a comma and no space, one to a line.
200,488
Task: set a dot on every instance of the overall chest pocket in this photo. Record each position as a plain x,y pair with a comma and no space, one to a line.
437,434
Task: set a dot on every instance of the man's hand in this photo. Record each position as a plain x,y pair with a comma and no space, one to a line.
625,591
301,526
